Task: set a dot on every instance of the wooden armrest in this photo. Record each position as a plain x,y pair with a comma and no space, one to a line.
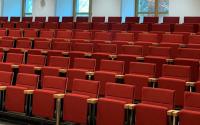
58,96
89,73
170,112
28,92
23,50
190,84
155,44
88,54
6,49
92,100
2,88
119,76
86,40
131,43
175,113
15,66
140,58
65,53
169,60
37,68
153,79
108,42
182,45
62,70
129,106
44,51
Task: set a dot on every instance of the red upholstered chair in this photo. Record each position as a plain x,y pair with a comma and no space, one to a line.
103,51
98,19
126,37
6,43
102,37
27,19
33,62
40,19
21,46
191,20
147,39
81,91
159,56
67,19
100,26
4,19
22,25
189,57
3,33
172,40
151,20
184,28
51,25
24,82
117,27
175,77
80,50
83,26
8,25
109,69
79,69
6,78
15,58
15,33
6,67
130,20
113,103
160,28
66,25
139,27
43,99
81,36
194,41
46,34
30,33
59,48
14,19
139,75
55,64
154,104
129,53
82,19
114,19
190,114
64,34
171,20
37,25
53,19
40,46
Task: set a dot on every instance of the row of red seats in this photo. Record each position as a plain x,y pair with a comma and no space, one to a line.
83,90
169,20
193,28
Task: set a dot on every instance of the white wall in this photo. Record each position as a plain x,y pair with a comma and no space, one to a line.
44,7
184,8
106,8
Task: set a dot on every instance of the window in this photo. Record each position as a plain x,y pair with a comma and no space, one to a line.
28,8
152,7
82,7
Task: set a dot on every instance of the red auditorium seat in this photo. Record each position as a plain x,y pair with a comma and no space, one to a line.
159,56
80,50
102,37
3,32
79,69
15,58
51,25
114,19
116,27
151,20
40,19
100,26
156,105
66,25
123,38
161,28
83,26
82,19
113,103
24,82
53,19
6,67
59,48
3,19
30,33
175,77
63,34
67,19
171,20
139,76
6,43
80,36
129,53
1,57
6,78
192,20
14,19
15,33
189,57
40,47
190,114
103,51
43,99
98,19
109,69
130,20
22,25
21,45
8,25
27,19
36,25
139,28
194,41
184,28
81,91
54,65
47,34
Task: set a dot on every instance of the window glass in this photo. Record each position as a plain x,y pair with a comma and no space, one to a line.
28,7
82,8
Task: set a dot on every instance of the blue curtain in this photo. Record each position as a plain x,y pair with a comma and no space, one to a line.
127,8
